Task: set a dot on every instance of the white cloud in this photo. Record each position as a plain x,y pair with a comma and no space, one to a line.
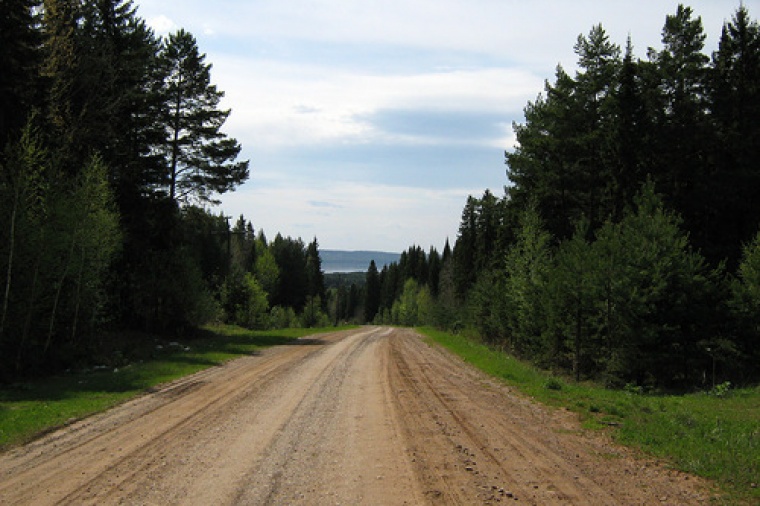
162,24
277,105
536,34
301,74
509,140
346,215
293,102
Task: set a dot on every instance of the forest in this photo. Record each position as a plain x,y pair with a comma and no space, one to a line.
112,154
625,248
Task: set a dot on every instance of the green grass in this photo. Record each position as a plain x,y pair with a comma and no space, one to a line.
713,436
34,407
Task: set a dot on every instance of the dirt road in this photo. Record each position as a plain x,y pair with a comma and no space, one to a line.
370,416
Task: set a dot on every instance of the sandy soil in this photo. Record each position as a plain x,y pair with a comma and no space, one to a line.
370,416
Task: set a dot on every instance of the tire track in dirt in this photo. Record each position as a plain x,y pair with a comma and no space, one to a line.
469,433
325,455
110,450
307,421
369,416
483,444
292,426
240,457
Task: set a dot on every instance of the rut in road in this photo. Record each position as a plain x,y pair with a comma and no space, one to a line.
476,442
369,416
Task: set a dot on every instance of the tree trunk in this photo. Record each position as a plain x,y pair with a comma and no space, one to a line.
57,298
578,337
175,143
78,297
11,247
30,311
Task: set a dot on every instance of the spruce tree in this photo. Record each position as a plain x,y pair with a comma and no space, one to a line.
527,268
682,126
293,281
20,39
372,298
464,254
734,97
314,273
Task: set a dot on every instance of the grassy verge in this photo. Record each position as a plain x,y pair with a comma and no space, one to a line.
30,408
716,435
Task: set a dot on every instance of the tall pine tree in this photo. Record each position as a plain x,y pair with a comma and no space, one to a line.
199,158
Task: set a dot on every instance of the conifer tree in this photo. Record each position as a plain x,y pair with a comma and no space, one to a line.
662,296
680,69
464,254
293,281
434,275
315,275
372,298
734,96
62,71
527,268
126,51
199,158
20,39
572,286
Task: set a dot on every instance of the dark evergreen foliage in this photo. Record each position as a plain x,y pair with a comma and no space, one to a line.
372,291
618,251
89,241
199,159
624,248
20,39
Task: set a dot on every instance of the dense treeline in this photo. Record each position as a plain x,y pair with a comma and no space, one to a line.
270,284
110,139
626,246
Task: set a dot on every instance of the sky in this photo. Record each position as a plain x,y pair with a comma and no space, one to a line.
368,123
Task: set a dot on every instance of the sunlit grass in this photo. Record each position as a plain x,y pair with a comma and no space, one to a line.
714,436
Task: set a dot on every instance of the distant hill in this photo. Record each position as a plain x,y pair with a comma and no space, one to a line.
354,261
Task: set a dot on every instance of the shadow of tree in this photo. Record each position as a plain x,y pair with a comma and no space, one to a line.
146,359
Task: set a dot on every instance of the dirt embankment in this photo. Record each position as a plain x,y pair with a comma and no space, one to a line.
371,416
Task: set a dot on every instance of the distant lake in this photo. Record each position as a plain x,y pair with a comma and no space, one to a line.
354,261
